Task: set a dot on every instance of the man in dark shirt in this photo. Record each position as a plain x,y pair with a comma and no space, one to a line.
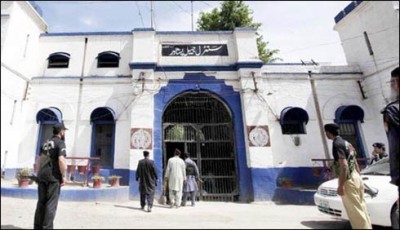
146,176
391,122
350,187
50,179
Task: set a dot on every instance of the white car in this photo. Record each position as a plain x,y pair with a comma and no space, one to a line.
380,196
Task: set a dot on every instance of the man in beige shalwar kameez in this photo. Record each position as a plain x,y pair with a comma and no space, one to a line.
175,175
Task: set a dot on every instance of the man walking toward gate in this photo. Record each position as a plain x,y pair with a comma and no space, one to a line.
146,176
175,175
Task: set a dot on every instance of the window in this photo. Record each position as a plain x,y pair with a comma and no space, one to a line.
103,135
58,60
293,120
349,119
108,59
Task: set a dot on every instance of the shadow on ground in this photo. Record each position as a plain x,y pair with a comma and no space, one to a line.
128,207
334,224
10,227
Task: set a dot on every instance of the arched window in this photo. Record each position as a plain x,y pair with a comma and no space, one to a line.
58,60
108,59
349,113
293,120
103,135
349,119
46,118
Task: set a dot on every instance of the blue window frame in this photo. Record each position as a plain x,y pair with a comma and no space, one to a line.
103,136
293,120
349,119
46,118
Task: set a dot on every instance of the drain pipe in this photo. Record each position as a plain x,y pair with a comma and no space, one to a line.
319,116
78,108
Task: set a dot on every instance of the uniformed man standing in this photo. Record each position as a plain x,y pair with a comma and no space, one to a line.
51,179
351,186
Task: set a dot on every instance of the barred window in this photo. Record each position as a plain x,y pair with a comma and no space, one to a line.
108,59
58,60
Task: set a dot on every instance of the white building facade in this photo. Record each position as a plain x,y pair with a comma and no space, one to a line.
246,124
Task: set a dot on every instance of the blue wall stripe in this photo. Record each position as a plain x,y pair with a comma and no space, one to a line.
167,68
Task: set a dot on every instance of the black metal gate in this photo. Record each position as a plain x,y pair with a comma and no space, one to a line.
202,126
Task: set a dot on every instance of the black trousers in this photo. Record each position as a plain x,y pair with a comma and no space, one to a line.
47,205
146,196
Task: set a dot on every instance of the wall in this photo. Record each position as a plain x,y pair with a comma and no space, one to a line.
20,28
381,21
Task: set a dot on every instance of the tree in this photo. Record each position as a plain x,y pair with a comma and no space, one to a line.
235,14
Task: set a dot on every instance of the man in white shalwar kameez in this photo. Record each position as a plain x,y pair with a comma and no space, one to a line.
175,175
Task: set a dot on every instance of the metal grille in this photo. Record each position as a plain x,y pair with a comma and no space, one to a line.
202,126
330,211
328,192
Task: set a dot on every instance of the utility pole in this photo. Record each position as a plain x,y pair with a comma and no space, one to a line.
151,13
191,2
319,115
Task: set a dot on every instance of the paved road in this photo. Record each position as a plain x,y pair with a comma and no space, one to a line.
18,213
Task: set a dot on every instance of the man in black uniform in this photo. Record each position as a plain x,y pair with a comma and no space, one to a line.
146,176
391,121
51,178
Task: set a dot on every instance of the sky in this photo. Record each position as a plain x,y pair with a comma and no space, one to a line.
300,30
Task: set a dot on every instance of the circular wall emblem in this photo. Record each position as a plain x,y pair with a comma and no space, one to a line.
141,139
259,137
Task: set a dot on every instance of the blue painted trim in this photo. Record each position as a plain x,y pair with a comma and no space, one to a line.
266,181
355,112
169,68
143,29
306,73
228,96
240,65
179,68
347,10
143,65
192,32
78,77
245,28
119,194
53,110
288,63
85,33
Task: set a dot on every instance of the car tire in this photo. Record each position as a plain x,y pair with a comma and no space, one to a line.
394,216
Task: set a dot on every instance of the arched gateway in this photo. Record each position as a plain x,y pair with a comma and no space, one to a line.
203,116
200,124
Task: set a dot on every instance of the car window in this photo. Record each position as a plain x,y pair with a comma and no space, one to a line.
381,167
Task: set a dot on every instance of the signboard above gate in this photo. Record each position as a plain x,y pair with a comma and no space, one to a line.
194,50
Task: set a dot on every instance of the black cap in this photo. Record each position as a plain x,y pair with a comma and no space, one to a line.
395,73
378,145
58,127
331,127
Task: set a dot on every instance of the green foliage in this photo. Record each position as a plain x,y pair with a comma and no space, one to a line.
23,173
235,14
112,177
284,180
97,177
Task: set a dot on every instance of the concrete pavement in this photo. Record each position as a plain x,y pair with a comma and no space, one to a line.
18,213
